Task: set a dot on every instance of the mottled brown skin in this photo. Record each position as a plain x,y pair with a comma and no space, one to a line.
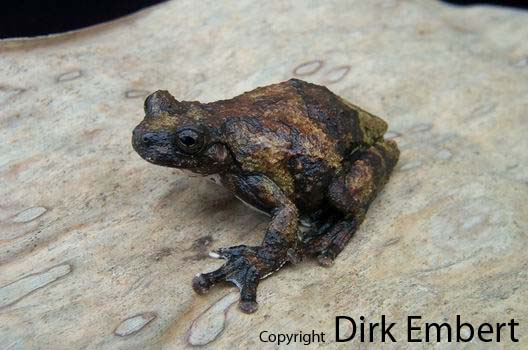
294,150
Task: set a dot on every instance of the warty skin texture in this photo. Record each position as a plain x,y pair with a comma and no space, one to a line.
294,150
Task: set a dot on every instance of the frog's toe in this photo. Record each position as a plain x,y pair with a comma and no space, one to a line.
325,259
327,256
329,245
202,282
246,278
248,306
232,253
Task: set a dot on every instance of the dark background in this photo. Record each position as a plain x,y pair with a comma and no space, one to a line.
25,18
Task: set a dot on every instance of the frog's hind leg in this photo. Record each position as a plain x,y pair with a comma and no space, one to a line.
351,194
328,244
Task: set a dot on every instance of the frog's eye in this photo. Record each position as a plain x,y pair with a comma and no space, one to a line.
190,140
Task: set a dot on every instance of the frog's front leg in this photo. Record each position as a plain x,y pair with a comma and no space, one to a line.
246,265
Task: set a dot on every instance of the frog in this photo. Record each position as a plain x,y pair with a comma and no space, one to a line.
308,158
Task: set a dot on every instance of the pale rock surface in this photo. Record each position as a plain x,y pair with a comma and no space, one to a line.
98,247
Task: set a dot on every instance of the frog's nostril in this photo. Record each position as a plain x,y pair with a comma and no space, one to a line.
152,138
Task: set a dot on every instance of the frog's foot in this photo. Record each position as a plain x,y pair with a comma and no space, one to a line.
328,245
245,266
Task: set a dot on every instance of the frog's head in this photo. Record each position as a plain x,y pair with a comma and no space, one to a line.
179,135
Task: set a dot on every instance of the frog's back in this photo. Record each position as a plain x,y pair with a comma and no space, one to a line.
345,122
308,107
270,128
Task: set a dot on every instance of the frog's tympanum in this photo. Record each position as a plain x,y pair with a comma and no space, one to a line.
296,151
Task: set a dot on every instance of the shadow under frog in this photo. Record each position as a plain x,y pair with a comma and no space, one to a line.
296,151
